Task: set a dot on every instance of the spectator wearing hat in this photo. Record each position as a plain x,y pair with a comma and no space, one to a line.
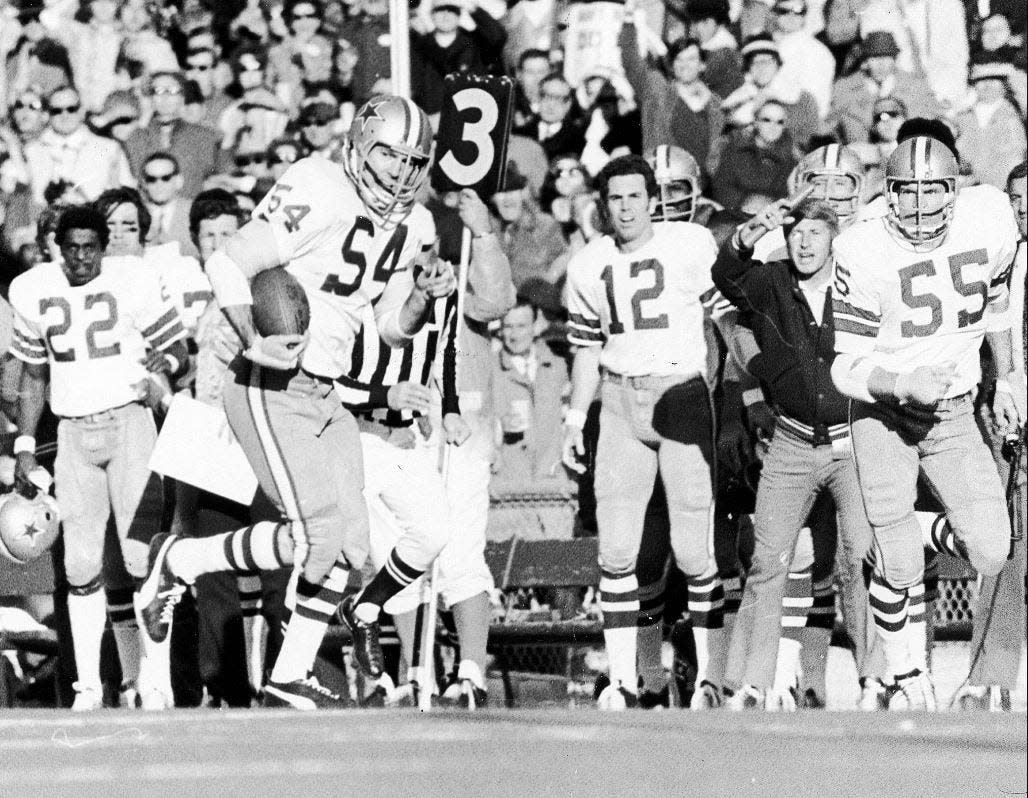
119,117
450,48
257,117
531,239
680,109
196,148
878,77
757,160
991,134
762,81
555,127
932,40
806,62
708,24
304,55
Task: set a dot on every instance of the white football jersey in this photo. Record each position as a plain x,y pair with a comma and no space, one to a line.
904,309
339,255
93,336
183,281
647,308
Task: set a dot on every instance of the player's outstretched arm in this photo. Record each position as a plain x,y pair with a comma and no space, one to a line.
397,326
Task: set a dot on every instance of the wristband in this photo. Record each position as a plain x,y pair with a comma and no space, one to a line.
25,443
574,418
1003,386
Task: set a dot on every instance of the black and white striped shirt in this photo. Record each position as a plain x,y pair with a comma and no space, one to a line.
375,367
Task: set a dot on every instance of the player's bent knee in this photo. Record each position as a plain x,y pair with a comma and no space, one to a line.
617,559
84,570
135,555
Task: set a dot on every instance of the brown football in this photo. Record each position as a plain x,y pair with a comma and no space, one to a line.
280,305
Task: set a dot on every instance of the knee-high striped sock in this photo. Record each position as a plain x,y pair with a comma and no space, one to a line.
87,618
262,547
619,602
706,601
938,535
650,636
122,615
816,637
248,586
889,608
315,604
391,578
797,602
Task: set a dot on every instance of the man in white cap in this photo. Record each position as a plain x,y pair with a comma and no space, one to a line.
991,133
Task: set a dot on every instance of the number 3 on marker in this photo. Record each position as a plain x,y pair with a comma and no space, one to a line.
477,133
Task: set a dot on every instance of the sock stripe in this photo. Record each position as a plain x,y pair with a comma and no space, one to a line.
230,552
246,545
401,571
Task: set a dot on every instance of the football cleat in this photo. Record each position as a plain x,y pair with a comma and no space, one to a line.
655,699
678,183
781,700
683,666
921,187
747,697
616,698
160,591
836,174
304,694
914,693
403,133
88,697
874,694
978,698
705,698
128,696
154,699
811,699
366,649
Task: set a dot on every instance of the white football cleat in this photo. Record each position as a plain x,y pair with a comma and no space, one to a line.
914,693
746,697
615,698
705,697
88,697
780,699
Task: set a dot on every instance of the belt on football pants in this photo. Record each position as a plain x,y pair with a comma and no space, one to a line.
807,433
100,416
643,381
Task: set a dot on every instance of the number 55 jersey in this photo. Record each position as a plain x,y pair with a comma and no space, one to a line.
647,307
902,309
343,259
94,335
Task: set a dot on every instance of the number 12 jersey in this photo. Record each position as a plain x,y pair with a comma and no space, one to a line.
647,308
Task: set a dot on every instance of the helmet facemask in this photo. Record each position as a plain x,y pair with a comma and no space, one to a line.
676,200
389,198
919,211
841,190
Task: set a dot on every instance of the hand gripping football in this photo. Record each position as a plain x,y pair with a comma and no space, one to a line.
280,305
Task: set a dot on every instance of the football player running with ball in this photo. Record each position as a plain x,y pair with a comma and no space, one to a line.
914,295
638,303
348,233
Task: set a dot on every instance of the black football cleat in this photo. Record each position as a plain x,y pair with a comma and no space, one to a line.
366,649
160,591
655,699
303,694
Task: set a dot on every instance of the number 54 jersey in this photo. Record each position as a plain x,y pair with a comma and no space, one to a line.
92,335
340,256
647,308
904,309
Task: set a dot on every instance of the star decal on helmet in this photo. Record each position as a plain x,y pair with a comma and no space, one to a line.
370,112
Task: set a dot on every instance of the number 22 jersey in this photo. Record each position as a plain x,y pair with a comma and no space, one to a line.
343,259
904,309
92,335
647,308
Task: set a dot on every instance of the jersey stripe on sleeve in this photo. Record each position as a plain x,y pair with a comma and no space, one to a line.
853,320
584,331
28,349
166,330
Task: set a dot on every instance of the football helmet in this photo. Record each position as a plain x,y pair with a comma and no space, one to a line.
389,182
678,183
837,174
28,527
921,186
